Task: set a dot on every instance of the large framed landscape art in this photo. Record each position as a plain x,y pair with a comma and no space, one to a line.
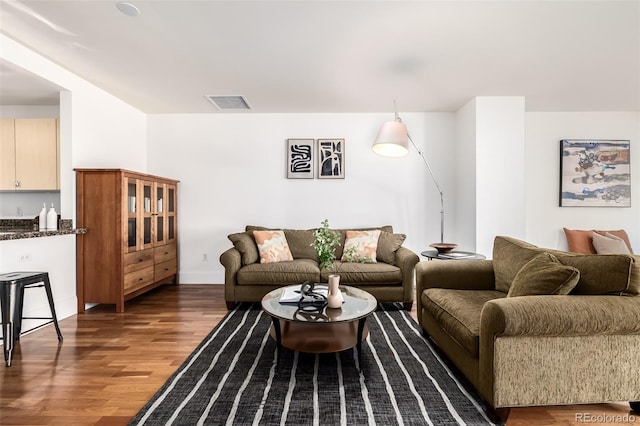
595,173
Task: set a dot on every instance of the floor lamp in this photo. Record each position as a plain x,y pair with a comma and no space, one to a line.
393,141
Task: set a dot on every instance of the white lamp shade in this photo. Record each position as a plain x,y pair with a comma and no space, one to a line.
392,140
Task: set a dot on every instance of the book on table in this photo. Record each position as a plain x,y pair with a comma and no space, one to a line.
292,294
456,255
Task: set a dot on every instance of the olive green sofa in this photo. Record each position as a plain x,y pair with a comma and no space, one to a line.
247,280
582,347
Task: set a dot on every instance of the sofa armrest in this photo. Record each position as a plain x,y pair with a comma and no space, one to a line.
553,316
231,259
465,274
532,320
406,260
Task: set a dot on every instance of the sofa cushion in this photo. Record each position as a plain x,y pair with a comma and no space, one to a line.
246,245
295,272
361,246
609,244
300,243
599,274
544,274
509,256
581,241
272,246
388,245
459,311
364,273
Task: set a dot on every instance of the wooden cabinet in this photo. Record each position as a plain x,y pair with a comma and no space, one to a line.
29,154
131,244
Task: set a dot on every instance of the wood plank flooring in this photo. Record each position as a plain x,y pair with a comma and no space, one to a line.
109,365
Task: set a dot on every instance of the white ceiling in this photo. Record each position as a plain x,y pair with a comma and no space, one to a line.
336,56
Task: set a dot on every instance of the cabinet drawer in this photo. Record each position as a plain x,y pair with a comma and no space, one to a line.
164,253
138,260
138,279
166,269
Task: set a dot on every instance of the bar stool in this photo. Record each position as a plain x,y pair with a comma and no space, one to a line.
12,286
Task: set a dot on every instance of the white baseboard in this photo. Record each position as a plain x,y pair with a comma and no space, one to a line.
211,277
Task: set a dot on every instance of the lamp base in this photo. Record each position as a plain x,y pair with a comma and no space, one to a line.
443,247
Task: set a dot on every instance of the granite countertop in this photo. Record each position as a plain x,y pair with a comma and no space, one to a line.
17,229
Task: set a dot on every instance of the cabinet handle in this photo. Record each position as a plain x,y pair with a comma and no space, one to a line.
17,184
140,260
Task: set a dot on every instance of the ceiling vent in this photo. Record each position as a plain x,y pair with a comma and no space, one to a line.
226,103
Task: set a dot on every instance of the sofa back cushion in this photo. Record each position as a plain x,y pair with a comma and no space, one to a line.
599,274
509,256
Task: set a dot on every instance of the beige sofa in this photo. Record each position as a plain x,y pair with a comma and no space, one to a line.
247,280
583,347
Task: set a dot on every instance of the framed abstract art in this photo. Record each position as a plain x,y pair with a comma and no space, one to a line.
595,173
300,158
330,158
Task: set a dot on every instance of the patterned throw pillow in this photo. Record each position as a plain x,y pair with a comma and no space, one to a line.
361,246
272,246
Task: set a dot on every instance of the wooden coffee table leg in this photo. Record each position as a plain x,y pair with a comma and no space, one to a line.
276,328
361,323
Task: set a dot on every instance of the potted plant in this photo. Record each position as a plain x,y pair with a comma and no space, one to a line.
325,242
325,245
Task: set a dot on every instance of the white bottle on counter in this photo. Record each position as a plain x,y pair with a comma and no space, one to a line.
42,220
52,219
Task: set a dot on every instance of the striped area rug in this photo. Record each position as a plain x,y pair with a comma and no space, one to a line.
231,379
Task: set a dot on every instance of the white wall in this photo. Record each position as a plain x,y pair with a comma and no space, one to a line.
544,219
463,232
96,130
232,173
500,169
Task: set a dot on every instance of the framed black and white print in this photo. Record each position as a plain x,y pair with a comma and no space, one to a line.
300,158
595,173
330,158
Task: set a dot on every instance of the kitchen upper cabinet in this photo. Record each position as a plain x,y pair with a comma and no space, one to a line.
29,158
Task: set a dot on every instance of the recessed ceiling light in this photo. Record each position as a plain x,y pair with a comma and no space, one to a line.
128,9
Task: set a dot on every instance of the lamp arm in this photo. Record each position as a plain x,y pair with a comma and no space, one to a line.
435,181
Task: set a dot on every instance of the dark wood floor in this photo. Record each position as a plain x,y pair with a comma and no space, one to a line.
110,365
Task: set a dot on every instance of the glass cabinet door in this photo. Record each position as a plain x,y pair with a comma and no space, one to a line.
132,214
147,215
160,213
172,220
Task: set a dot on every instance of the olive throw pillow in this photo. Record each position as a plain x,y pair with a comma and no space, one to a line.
544,274
388,245
272,246
246,245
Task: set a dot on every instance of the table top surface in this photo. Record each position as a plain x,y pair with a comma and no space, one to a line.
453,255
357,304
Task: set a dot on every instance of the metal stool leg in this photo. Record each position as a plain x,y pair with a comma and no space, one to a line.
47,287
17,315
7,300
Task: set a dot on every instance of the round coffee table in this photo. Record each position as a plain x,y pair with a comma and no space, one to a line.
323,331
